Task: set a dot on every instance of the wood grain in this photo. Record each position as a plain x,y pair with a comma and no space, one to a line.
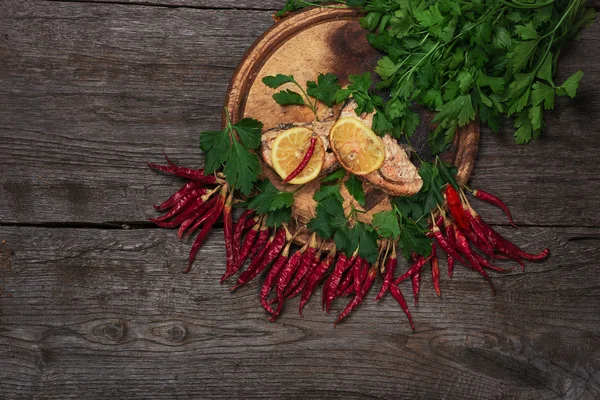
107,314
84,105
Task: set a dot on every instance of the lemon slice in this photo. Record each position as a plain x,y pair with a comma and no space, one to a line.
288,151
356,147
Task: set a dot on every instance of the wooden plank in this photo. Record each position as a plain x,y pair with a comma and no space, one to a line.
108,314
96,99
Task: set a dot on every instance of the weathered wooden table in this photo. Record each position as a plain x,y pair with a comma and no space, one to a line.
93,304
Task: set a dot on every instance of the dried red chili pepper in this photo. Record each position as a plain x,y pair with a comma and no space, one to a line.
249,242
435,270
271,278
445,246
173,169
216,213
229,241
264,258
348,279
199,217
305,160
239,229
191,212
306,263
336,277
315,278
463,246
416,285
390,268
261,241
456,207
451,239
489,198
177,196
486,264
361,288
285,276
192,198
418,262
397,294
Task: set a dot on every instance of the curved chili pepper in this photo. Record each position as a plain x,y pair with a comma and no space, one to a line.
418,263
476,234
451,239
271,278
342,259
390,268
176,197
348,279
305,160
336,278
316,277
456,207
486,264
185,201
361,288
261,240
194,211
416,285
489,198
397,294
306,263
249,242
435,270
216,213
173,169
285,276
230,253
197,220
463,246
239,228
264,258
445,246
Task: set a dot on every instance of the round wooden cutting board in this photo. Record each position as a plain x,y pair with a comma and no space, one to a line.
305,44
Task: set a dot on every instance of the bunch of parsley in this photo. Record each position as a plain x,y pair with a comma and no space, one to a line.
486,58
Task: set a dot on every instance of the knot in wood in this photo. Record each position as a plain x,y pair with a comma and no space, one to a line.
115,331
176,333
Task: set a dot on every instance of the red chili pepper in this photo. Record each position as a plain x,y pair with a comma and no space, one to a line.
336,277
264,258
239,229
416,285
348,279
305,160
177,196
435,270
361,288
198,209
199,218
486,264
249,242
229,240
456,207
190,198
476,235
342,260
463,246
316,277
188,173
306,263
397,294
285,276
261,240
445,246
216,213
489,198
271,278
451,239
390,268
505,246
418,262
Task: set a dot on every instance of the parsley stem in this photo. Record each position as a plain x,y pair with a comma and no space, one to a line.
517,4
309,103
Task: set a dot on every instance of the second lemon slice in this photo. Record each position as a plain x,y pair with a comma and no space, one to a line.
356,147
289,149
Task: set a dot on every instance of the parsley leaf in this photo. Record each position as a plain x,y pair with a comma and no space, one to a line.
570,86
355,188
275,81
277,205
288,97
386,224
324,89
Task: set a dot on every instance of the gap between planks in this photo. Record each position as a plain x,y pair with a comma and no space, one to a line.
148,4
